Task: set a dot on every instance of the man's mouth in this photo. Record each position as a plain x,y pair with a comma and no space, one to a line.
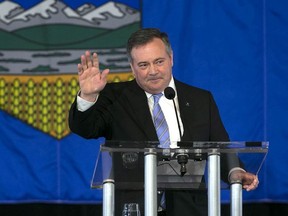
154,79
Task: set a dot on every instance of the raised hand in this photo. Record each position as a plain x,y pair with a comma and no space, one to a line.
91,79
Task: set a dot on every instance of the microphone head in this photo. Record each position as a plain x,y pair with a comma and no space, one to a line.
169,93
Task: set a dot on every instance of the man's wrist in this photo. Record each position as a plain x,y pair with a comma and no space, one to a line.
91,97
235,169
83,104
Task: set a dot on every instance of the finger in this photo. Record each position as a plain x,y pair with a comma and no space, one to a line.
88,59
256,183
104,74
83,62
80,69
249,187
95,60
252,186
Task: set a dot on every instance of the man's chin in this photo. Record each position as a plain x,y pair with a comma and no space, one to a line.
155,89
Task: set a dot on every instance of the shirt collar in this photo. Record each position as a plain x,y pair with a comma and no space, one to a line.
171,84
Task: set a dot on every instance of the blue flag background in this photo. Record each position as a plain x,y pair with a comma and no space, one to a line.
236,49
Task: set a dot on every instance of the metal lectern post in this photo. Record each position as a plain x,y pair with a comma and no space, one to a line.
214,203
236,199
150,182
108,197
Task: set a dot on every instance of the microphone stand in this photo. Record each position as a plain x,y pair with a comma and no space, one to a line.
178,123
181,158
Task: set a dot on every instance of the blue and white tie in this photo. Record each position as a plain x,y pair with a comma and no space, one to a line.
160,123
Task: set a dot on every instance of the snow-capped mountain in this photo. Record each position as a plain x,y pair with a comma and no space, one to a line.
45,10
103,11
110,15
6,10
84,9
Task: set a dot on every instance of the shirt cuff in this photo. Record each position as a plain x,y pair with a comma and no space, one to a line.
235,169
83,105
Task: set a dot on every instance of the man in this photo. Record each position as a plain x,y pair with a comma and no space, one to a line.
125,111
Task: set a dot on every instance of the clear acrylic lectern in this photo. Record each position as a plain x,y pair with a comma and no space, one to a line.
143,166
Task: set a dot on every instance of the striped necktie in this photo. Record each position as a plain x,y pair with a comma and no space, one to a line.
160,123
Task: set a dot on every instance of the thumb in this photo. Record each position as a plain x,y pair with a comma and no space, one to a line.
104,74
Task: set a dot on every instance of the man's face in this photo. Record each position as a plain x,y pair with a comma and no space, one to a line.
152,66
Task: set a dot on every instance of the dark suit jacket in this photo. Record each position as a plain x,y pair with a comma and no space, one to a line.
122,113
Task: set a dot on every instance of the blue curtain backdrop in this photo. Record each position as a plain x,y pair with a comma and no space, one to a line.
236,49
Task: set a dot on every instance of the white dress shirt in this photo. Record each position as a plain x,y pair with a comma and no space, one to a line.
169,114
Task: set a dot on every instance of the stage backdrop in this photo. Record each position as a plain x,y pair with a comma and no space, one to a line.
236,49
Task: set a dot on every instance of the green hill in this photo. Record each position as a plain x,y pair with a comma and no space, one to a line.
11,41
50,37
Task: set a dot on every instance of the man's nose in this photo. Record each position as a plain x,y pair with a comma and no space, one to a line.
153,69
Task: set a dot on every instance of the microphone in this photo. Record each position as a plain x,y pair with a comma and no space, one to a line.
170,95
181,158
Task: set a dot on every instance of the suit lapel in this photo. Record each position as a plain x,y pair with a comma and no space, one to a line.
186,109
139,108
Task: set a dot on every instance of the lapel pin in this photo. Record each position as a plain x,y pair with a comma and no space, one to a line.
187,104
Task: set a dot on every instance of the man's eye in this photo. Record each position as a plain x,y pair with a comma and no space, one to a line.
159,62
142,65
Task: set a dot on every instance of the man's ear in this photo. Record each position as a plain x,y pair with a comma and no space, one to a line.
132,68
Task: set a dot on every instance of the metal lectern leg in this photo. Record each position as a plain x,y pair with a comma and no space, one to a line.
108,197
236,199
214,202
150,183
